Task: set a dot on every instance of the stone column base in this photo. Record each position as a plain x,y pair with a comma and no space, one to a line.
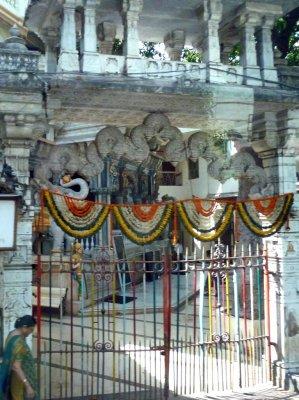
91,62
68,61
16,294
270,74
216,73
134,65
252,72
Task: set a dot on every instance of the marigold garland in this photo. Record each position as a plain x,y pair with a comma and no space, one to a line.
195,224
200,206
139,231
265,209
80,208
205,220
73,225
145,212
271,223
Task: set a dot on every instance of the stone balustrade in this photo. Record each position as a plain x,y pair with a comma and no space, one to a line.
14,55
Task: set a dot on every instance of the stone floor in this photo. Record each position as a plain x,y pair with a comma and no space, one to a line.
268,393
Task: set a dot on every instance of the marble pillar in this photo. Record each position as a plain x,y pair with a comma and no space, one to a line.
283,249
68,58
210,15
252,73
131,13
265,52
91,58
16,266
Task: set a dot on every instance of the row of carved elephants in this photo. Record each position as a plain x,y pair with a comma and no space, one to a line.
155,137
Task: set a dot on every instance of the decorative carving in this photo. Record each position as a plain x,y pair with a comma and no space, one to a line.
9,181
14,55
155,138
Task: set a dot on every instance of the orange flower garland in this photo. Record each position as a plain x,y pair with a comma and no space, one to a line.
143,223
201,209
145,212
80,208
265,209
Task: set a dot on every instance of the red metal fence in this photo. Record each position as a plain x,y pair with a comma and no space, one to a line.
148,329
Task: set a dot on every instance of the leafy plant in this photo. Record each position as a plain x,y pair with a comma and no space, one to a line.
149,50
118,47
286,36
235,54
191,55
220,139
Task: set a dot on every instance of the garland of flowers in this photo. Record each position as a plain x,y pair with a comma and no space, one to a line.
205,220
202,226
80,208
72,224
265,220
145,212
205,207
140,231
265,206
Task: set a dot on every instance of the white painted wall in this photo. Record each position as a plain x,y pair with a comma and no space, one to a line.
204,186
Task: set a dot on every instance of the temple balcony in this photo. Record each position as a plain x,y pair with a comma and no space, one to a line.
81,37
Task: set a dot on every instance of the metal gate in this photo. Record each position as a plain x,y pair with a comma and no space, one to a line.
111,328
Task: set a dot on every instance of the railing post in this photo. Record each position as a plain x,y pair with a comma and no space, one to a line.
167,319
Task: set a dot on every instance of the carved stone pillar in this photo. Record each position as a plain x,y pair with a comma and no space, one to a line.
68,58
106,36
252,73
131,13
265,51
50,39
210,15
16,266
226,49
91,59
174,44
283,248
22,121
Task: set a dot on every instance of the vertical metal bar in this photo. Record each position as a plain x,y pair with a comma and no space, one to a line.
119,367
114,333
267,314
82,328
237,324
72,330
45,370
155,328
134,322
66,370
92,323
228,325
60,272
129,373
167,321
210,304
50,330
151,368
251,343
39,311
259,297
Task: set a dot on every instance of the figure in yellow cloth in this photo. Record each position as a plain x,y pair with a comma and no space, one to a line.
18,377
77,266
